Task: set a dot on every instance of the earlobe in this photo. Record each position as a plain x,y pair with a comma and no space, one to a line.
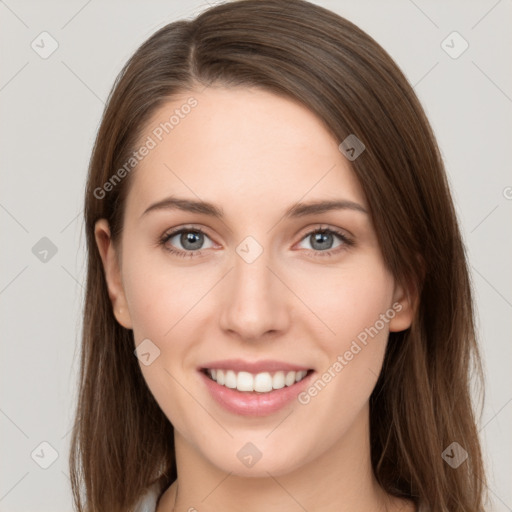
112,273
404,305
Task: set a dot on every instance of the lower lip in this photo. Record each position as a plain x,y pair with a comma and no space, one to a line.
252,403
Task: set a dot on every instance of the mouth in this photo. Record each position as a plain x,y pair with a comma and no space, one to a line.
256,383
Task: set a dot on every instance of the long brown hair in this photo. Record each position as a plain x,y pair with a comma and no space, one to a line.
122,441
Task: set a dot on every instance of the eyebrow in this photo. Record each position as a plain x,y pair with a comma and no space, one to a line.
294,211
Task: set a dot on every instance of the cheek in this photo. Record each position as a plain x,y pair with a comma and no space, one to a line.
352,303
349,299
161,301
158,294
356,305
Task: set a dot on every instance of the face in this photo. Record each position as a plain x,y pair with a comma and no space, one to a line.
257,292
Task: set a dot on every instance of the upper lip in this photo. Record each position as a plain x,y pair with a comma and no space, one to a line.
265,365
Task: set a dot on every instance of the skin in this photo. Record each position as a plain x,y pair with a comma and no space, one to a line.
255,154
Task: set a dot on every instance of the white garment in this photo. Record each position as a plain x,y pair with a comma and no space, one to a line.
147,502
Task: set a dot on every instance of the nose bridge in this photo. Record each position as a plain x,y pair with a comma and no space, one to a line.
251,273
256,300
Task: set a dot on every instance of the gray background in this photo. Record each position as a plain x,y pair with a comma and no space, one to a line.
50,111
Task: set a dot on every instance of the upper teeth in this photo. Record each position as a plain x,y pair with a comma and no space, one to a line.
261,382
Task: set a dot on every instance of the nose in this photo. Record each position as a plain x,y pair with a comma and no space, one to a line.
255,302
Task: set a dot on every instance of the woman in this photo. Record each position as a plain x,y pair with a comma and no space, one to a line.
278,311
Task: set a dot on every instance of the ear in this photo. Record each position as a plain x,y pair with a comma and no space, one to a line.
112,271
405,301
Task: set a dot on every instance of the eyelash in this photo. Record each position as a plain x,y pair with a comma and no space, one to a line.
347,242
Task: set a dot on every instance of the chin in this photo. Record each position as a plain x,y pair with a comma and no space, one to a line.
248,461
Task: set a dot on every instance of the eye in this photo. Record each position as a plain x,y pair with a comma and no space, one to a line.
322,240
190,239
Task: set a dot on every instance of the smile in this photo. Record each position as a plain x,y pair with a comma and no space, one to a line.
263,382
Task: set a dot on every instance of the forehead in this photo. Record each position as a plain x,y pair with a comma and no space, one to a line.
241,146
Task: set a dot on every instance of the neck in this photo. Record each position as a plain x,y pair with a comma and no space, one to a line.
340,479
